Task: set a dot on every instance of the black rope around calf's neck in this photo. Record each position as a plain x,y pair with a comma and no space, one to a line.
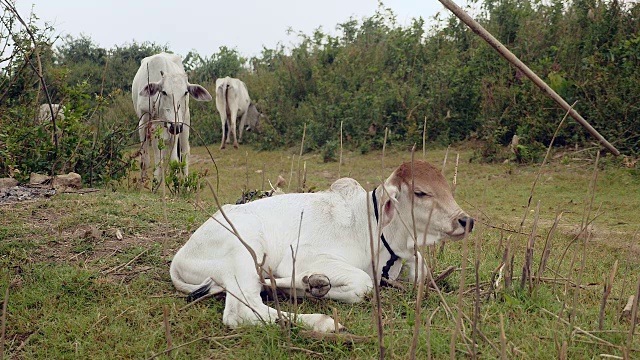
394,257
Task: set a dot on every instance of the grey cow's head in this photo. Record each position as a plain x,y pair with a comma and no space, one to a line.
172,102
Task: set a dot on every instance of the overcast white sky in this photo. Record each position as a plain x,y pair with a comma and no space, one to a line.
206,25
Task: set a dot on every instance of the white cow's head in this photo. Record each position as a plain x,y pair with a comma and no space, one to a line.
254,118
431,195
172,101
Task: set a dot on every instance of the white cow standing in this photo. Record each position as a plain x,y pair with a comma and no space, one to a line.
333,246
44,112
160,93
232,101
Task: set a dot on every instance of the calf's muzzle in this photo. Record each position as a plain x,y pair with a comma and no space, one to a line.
466,221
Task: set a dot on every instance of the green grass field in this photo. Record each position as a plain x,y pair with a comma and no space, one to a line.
78,291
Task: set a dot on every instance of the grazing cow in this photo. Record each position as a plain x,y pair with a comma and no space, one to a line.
160,94
232,101
334,257
44,112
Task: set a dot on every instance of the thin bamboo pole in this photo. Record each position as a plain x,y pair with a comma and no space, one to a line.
502,50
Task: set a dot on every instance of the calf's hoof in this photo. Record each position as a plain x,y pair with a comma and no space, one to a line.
318,285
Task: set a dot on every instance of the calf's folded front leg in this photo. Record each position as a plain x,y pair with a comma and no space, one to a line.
332,279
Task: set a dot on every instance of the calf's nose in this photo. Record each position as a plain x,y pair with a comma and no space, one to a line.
466,221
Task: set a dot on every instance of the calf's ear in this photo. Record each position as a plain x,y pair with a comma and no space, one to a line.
389,203
151,89
199,93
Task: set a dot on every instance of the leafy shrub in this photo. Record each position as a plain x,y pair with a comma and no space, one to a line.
330,151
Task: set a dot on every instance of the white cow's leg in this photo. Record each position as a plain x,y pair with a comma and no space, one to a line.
185,149
243,123
234,114
173,145
224,133
144,147
334,279
158,154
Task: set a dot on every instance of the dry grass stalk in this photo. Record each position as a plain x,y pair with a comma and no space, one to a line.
632,326
125,264
544,161
212,338
202,298
376,285
4,321
626,312
547,248
167,330
263,175
444,162
501,238
576,291
384,149
566,249
528,259
335,321
476,310
235,232
304,175
416,329
304,133
465,251
306,351
340,337
424,139
455,176
624,278
608,284
508,263
274,292
563,351
428,332
477,252
293,156
340,162
503,340
246,170
413,221
608,356
579,330
294,255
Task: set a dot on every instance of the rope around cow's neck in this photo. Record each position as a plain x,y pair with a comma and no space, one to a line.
394,257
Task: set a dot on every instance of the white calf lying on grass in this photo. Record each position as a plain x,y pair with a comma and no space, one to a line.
333,254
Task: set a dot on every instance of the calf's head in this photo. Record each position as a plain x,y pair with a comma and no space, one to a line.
435,209
172,101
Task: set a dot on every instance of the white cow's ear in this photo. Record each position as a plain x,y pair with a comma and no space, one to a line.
389,203
151,89
199,93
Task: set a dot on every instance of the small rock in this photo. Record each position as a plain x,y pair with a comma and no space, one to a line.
60,182
6,183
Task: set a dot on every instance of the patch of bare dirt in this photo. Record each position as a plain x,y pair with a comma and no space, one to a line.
24,193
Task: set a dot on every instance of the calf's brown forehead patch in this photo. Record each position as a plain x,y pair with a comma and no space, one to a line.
423,172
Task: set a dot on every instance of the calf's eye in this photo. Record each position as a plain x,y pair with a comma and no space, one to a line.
421,194
164,93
